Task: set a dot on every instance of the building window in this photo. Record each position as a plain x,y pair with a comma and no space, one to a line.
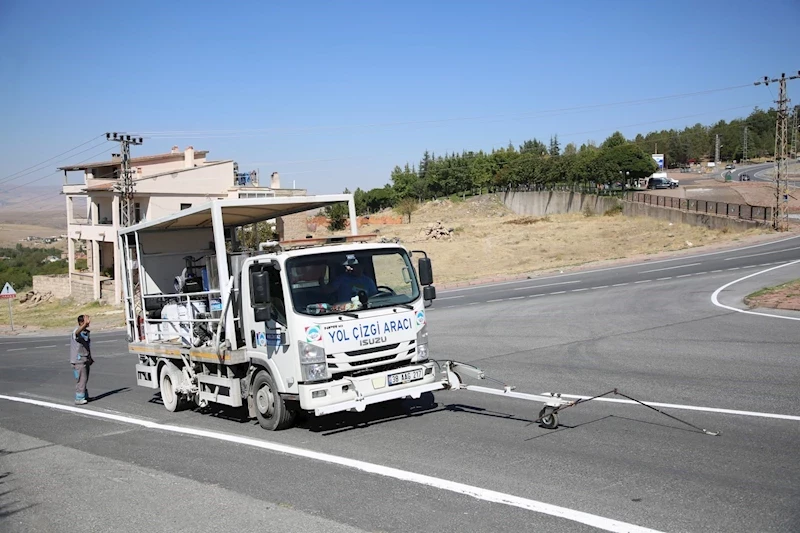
137,212
185,206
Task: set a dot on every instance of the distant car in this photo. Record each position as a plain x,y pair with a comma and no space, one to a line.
744,177
658,183
730,167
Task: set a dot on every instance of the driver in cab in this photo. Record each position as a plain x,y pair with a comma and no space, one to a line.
351,282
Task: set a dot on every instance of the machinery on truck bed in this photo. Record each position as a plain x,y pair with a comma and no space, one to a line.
318,325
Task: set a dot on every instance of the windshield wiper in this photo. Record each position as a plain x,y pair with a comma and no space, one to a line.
407,306
346,313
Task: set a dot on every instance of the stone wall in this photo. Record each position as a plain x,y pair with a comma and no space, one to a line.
57,285
82,292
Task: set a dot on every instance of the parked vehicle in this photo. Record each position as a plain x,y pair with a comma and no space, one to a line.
744,177
658,183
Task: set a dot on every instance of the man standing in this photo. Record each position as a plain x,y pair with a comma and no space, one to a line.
80,357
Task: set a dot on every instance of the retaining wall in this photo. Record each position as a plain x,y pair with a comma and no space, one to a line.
540,203
635,209
58,285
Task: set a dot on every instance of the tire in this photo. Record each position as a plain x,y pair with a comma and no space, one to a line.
271,410
170,375
548,417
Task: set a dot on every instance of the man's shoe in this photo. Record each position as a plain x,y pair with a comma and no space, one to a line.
80,402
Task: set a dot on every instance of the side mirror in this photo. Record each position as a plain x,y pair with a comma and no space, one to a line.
259,288
425,271
429,293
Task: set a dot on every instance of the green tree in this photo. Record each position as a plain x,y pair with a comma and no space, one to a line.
555,149
615,139
570,149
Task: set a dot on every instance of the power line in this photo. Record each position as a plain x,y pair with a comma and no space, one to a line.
529,114
5,178
10,179
51,174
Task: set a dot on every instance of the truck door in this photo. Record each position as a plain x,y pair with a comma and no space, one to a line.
267,328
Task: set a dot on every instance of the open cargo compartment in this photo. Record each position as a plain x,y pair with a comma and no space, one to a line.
182,271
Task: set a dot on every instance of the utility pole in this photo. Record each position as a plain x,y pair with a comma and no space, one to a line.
744,146
794,132
125,186
716,151
780,216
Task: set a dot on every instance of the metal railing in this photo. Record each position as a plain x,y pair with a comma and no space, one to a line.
739,211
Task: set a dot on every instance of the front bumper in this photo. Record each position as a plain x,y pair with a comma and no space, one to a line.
355,394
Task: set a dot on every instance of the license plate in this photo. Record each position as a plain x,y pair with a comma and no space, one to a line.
405,377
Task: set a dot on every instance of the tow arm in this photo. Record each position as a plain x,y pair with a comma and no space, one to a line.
451,379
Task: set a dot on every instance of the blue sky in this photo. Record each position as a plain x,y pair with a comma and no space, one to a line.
334,94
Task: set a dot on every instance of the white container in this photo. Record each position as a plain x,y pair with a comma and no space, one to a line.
169,330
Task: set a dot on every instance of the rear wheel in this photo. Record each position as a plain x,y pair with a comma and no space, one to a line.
548,417
271,409
170,377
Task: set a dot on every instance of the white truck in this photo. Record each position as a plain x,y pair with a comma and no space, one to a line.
318,325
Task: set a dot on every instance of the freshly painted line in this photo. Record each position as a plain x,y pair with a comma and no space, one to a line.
683,276
620,284
600,287
558,292
451,297
715,271
691,408
715,296
497,300
548,285
517,298
578,290
664,279
101,342
536,295
669,268
473,303
48,346
700,273
762,253
643,281
600,522
734,268
633,265
15,349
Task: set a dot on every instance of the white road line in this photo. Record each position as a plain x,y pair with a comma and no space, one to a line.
700,273
536,295
692,408
517,298
669,268
101,342
497,300
643,281
579,290
451,297
548,285
683,276
558,292
715,296
600,522
48,346
762,253
715,271
734,268
473,303
620,284
664,279
634,265
600,287
15,349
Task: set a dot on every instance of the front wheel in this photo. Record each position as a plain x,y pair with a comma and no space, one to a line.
271,409
548,417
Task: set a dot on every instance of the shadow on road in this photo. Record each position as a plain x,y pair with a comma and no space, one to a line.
9,508
109,393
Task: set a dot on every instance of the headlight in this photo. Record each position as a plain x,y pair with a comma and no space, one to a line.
422,343
314,372
310,353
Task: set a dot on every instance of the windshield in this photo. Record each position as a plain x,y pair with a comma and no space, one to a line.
350,281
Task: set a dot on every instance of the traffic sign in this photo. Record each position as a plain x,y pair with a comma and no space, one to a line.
8,291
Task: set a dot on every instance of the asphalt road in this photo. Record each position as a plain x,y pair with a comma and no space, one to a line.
654,334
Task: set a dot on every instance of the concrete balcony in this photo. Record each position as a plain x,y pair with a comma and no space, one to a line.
99,232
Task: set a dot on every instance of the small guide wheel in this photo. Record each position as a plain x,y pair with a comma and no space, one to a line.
548,417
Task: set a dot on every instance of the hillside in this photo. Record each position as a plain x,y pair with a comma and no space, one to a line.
489,240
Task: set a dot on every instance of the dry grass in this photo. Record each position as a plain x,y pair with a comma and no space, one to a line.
785,296
58,315
491,241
